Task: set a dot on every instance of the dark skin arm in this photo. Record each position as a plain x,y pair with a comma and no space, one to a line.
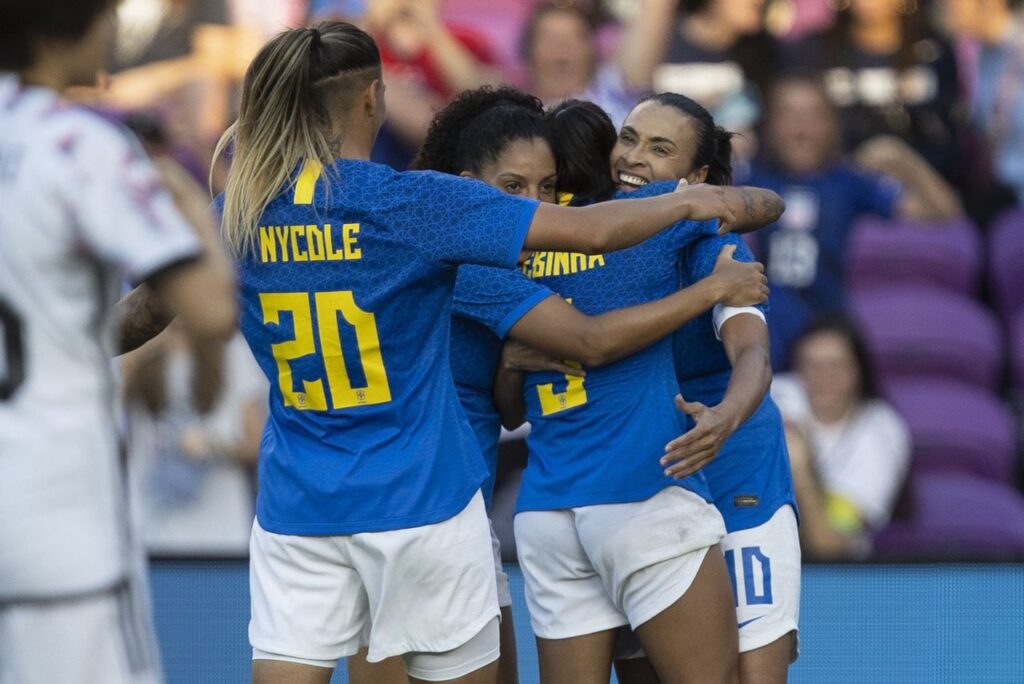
755,208
610,226
559,330
143,316
508,395
745,338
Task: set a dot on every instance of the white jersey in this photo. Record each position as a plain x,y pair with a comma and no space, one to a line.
81,210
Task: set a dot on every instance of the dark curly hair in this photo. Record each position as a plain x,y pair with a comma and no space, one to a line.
476,127
583,136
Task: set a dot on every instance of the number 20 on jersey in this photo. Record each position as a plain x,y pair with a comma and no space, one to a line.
331,307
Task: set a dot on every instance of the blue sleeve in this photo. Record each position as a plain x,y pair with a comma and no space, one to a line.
699,259
464,221
495,297
879,195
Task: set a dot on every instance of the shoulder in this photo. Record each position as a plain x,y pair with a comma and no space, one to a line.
877,414
788,392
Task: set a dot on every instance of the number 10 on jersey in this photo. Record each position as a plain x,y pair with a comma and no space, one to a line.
329,306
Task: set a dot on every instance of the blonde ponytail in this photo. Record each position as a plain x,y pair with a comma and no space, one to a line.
284,119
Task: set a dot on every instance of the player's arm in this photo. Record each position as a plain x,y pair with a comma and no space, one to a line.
201,294
745,338
142,316
209,279
755,208
508,393
556,327
609,226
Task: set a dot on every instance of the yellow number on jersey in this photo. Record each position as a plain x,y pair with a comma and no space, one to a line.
575,394
328,306
343,395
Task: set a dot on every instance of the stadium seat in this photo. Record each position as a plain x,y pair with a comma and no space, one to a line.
957,516
917,331
1006,256
956,427
884,253
1017,349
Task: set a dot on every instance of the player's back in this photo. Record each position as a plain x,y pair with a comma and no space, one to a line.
598,439
68,181
346,303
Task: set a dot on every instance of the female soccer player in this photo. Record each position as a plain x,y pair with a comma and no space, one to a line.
500,137
723,371
370,523
83,210
604,537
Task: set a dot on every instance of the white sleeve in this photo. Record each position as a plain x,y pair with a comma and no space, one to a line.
875,463
721,313
120,209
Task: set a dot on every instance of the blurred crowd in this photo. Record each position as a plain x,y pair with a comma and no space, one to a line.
893,129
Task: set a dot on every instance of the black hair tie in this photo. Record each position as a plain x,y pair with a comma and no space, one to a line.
314,38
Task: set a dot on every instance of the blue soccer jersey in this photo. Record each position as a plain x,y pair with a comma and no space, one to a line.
346,305
750,478
488,302
598,440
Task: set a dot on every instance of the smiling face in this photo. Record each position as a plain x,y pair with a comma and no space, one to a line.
526,168
657,142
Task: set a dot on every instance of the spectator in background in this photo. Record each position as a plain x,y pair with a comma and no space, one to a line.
804,252
890,73
849,450
425,59
190,472
714,51
996,28
563,61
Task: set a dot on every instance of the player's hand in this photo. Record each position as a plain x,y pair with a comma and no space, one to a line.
741,283
687,454
522,357
708,202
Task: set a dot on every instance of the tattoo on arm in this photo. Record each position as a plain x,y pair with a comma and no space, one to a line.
142,318
771,206
748,203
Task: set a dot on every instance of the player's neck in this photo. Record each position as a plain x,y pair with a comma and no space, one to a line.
46,73
355,147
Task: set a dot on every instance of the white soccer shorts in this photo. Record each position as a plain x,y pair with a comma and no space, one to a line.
764,566
427,589
103,637
594,568
500,576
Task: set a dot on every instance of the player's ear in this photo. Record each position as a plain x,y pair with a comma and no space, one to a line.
373,98
698,175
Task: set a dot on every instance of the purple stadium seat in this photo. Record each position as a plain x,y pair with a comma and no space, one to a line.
957,515
883,253
1006,257
1017,348
918,331
956,427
